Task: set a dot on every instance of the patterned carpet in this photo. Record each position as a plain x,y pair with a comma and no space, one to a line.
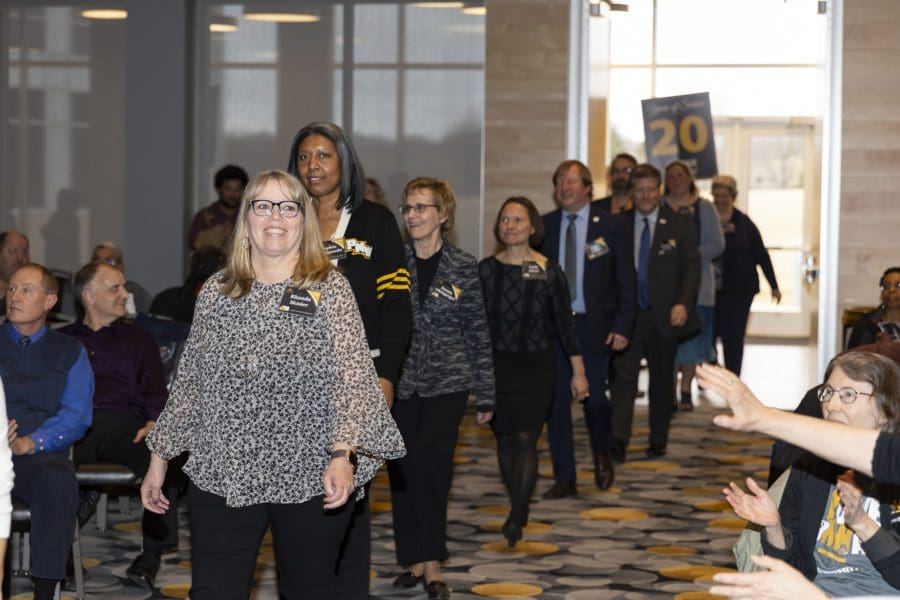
660,532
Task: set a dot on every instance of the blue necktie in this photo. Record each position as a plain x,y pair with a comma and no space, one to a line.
571,267
644,266
24,340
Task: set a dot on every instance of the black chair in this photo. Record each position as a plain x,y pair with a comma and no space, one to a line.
108,478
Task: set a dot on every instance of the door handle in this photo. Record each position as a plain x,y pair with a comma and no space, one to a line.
810,268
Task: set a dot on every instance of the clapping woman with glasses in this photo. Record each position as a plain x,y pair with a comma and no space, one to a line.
278,402
834,525
449,357
883,323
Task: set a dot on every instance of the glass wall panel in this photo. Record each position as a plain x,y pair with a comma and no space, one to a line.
62,118
409,89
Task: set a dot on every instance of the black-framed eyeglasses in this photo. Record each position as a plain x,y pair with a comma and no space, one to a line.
626,170
288,208
418,208
847,395
888,286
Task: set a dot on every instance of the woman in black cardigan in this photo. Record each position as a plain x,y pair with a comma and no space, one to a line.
838,527
739,281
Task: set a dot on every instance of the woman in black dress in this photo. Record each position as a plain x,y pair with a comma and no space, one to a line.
527,302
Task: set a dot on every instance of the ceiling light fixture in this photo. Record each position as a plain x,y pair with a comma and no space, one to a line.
105,14
477,9
439,4
222,24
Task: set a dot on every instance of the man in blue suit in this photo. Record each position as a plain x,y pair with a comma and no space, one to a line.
667,264
594,251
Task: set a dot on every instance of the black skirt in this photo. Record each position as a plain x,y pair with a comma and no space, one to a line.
524,384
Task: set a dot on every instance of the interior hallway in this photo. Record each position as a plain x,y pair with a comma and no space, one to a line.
659,532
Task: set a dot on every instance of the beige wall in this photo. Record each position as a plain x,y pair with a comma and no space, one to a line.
870,169
525,102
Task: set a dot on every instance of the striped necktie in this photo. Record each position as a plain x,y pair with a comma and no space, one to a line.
572,258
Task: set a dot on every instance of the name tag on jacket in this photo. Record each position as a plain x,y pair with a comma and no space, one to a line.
596,248
446,291
300,302
533,270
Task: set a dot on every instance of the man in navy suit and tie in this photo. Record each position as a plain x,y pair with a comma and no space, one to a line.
595,253
667,263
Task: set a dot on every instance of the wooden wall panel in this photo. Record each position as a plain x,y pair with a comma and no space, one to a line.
526,58
870,154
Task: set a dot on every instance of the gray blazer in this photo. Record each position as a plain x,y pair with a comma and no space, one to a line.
450,348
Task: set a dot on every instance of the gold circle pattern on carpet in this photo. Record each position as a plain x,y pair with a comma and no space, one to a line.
532,527
176,590
128,527
494,509
506,589
692,572
523,547
742,460
697,596
614,514
713,506
672,550
653,465
733,524
378,506
702,490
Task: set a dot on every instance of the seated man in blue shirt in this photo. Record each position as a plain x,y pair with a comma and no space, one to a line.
130,394
49,386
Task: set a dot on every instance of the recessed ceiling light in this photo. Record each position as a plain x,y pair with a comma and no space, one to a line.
222,24
439,4
478,11
282,17
105,14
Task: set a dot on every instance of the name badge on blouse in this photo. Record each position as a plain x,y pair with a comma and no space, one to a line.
300,302
533,270
447,291
596,248
335,249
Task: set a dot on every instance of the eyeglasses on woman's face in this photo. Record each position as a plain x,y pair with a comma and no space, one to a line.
287,208
417,208
847,395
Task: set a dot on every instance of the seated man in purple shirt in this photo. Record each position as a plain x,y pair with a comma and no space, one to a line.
130,394
49,386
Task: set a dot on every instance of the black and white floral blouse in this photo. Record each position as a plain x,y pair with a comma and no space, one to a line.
262,395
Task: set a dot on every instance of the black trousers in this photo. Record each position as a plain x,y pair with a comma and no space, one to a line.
730,324
660,352
225,544
420,481
110,440
355,555
46,482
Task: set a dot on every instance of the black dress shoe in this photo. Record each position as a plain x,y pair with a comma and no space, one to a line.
437,590
87,504
656,451
143,570
604,471
407,580
617,453
561,489
512,530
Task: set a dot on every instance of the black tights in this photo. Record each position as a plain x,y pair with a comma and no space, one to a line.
517,453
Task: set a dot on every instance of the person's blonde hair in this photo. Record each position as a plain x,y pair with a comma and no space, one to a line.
312,266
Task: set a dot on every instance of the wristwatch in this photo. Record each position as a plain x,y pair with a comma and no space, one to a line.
350,455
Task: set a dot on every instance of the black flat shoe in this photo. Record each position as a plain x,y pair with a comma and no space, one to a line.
437,590
656,451
407,580
143,570
512,531
561,489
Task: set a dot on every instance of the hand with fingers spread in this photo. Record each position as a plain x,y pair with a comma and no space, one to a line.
747,410
777,581
757,507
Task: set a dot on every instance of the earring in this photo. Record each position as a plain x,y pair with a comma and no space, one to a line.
246,243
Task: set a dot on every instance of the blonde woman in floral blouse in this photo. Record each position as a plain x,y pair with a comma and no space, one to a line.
278,403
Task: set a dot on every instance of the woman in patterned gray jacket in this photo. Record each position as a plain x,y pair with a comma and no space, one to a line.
278,402
449,356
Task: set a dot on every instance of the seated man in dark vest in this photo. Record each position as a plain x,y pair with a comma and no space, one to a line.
130,394
49,386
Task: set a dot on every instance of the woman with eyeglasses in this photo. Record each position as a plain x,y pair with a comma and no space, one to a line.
278,402
528,307
837,526
883,323
449,357
363,240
